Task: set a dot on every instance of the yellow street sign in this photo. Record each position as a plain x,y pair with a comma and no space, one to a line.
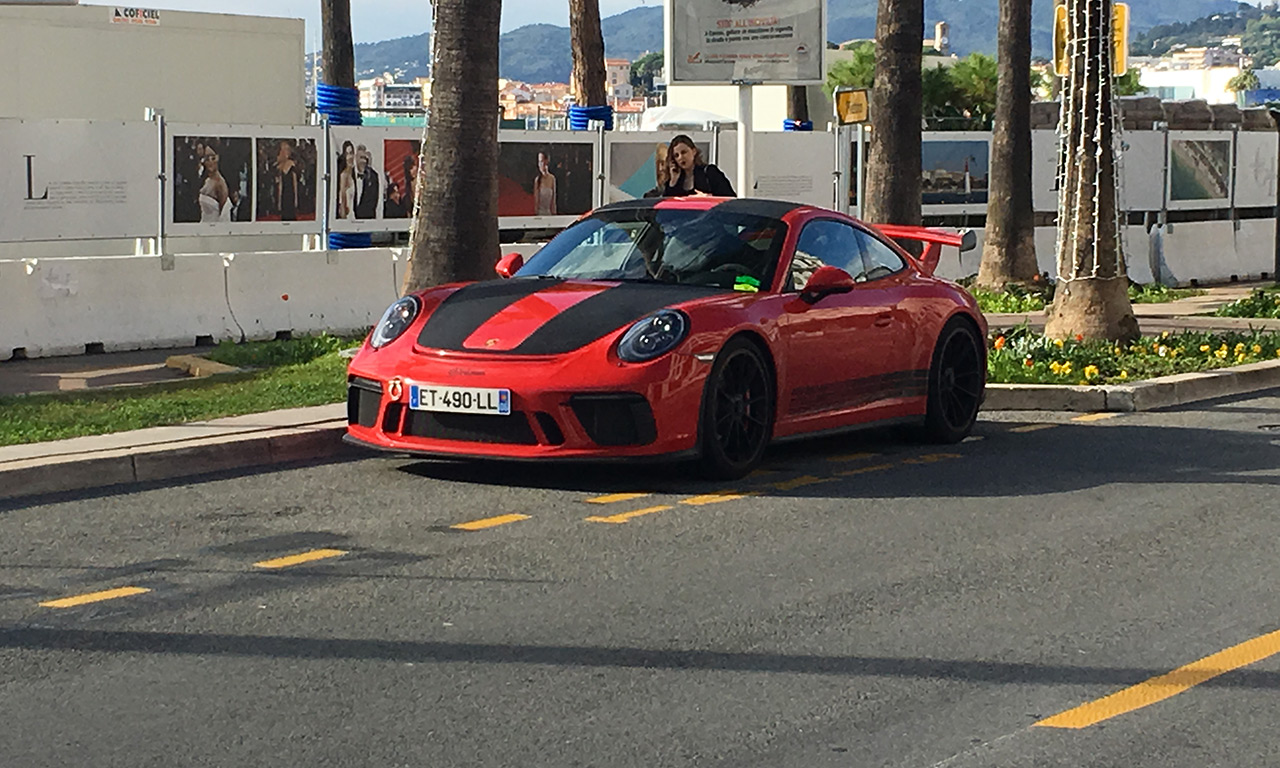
1119,39
852,106
1060,31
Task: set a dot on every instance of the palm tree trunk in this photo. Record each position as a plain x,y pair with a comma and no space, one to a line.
1092,298
1009,248
338,58
456,227
587,42
893,168
798,103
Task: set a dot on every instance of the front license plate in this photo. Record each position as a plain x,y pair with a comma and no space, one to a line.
429,397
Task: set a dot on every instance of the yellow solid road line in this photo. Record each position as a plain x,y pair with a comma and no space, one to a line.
94,597
489,522
625,516
851,457
616,497
1033,427
1171,684
865,470
717,497
304,557
1095,417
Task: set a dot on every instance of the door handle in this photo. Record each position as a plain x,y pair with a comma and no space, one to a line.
883,321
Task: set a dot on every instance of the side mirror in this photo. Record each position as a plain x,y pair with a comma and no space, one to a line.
509,264
968,240
825,281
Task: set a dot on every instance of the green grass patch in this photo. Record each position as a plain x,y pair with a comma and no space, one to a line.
1022,356
271,354
319,380
1016,299
1264,302
1155,293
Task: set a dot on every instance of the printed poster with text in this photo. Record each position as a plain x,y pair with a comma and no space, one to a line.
759,41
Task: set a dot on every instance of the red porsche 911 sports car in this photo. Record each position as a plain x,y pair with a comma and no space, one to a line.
691,327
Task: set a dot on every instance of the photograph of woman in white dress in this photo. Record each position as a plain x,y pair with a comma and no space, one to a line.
211,180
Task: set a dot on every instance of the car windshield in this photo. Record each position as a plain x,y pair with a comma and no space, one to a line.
731,250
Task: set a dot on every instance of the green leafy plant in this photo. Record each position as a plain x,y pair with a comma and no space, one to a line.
1157,293
1261,303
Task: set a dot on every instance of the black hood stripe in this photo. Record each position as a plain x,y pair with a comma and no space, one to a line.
467,309
606,312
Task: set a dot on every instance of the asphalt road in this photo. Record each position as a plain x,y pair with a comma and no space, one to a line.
877,603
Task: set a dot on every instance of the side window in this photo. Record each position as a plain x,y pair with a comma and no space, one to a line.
825,242
881,260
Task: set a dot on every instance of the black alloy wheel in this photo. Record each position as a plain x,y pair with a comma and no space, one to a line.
737,411
956,382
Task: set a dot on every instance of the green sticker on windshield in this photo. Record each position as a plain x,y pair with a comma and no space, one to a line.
746,284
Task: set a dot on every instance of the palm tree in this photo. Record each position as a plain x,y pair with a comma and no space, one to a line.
893,168
338,63
1092,298
456,226
1009,248
587,43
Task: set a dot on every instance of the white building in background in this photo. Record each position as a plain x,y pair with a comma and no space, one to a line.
1209,84
617,79
385,93
197,67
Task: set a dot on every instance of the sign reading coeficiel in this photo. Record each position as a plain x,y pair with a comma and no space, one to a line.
147,16
752,41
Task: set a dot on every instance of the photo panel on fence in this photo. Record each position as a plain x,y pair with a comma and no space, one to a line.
78,179
639,165
374,172
795,166
955,172
1256,168
1199,169
237,179
545,178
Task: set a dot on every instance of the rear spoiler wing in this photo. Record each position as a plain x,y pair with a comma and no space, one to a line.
934,239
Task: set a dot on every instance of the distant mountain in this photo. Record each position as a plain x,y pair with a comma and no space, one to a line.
540,52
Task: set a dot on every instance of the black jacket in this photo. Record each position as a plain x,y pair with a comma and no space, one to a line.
706,178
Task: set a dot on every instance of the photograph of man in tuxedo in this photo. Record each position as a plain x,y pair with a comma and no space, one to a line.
367,185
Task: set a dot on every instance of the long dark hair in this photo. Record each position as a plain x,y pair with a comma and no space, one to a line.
698,159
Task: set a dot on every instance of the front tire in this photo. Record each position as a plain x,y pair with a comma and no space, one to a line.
957,377
737,412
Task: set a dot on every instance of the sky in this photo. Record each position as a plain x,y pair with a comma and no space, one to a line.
374,20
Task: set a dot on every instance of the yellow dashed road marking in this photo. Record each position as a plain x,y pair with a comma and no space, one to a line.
489,522
299,559
1095,417
1171,684
717,497
865,470
613,498
931,458
94,597
625,516
852,457
1033,427
800,482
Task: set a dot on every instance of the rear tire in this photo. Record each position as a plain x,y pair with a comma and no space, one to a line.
957,378
737,412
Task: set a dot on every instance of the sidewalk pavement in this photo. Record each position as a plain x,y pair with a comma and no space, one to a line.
312,434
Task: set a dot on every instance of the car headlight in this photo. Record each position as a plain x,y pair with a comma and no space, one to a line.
395,321
653,336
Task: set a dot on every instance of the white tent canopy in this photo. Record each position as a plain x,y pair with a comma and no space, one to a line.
681,118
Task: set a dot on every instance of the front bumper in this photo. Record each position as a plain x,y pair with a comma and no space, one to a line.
615,411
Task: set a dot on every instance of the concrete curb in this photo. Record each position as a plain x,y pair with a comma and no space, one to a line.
197,366
89,470
1145,395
